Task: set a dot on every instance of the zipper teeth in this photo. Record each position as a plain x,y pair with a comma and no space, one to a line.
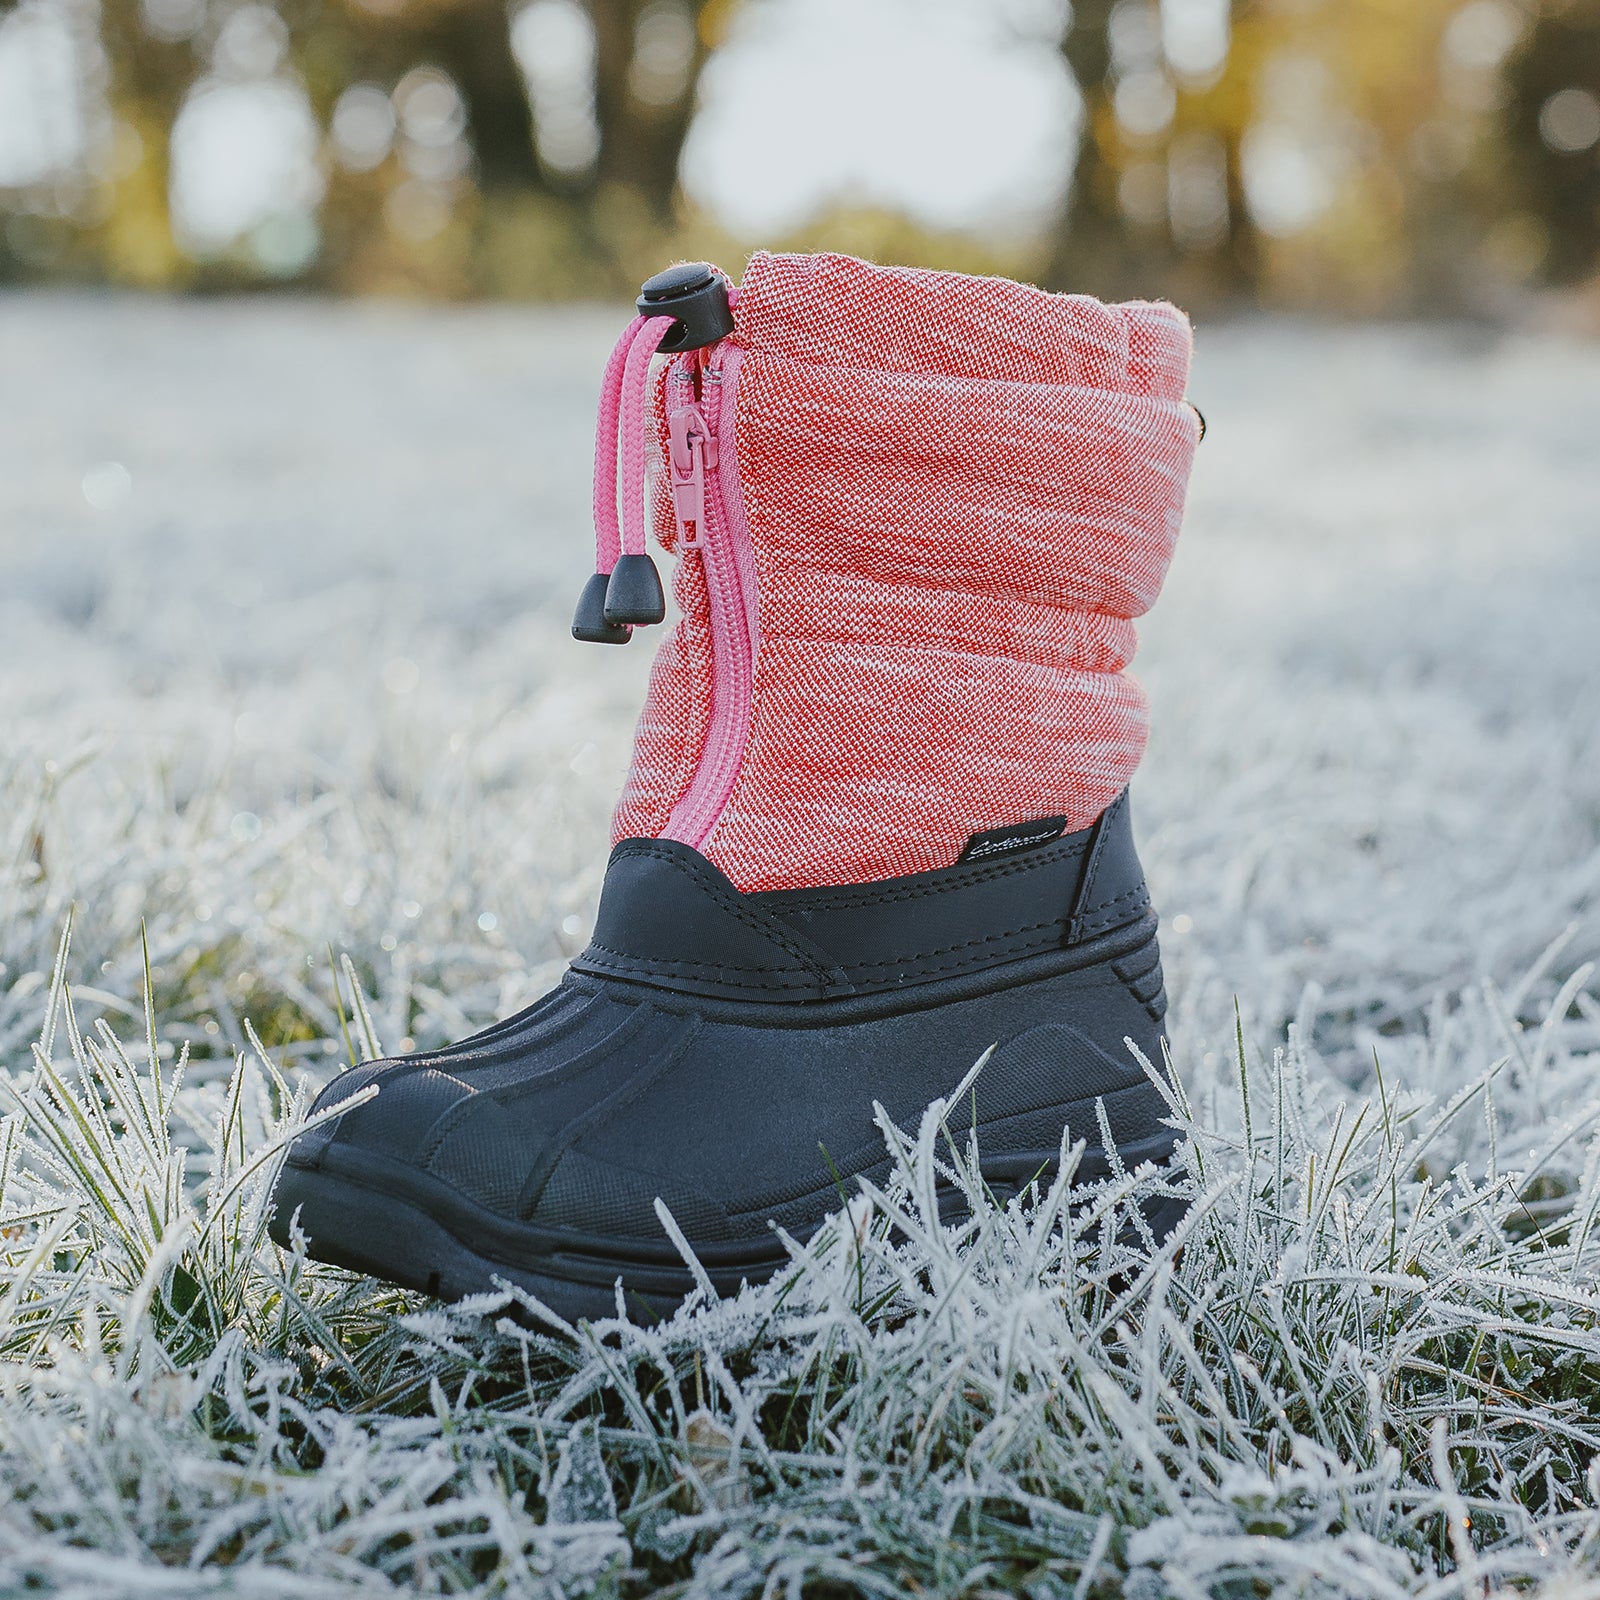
730,500
736,672
729,566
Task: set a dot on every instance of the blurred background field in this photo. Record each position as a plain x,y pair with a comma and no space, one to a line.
288,549
1362,156
285,658
302,314
285,667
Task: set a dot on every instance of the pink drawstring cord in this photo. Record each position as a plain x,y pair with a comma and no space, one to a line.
636,375
607,610
622,396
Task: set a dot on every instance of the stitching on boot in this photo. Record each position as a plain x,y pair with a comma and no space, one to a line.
778,936
1012,934
626,961
1107,915
973,873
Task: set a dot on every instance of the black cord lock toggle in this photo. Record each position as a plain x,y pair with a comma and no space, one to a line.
695,295
633,593
590,623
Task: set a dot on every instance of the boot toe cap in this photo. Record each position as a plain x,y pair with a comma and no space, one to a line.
393,1122
478,1149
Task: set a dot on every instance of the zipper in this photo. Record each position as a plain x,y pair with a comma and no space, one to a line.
708,506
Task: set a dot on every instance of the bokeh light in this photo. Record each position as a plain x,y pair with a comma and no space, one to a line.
1365,157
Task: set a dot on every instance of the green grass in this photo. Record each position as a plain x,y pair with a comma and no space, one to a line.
1367,1364
1373,778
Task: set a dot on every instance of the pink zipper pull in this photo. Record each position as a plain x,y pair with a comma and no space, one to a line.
693,450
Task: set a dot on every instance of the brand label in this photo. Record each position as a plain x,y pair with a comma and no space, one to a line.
1019,836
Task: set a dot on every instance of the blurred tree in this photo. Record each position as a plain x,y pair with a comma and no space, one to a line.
648,60
405,212
1425,155
347,42
1551,127
1092,245
146,81
561,189
1342,153
1376,165
429,127
1158,204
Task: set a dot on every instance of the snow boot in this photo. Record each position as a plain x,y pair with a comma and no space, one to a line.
877,820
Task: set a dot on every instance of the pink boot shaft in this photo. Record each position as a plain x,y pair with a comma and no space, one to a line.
932,506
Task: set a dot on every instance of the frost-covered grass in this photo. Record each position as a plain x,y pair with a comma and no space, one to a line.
305,696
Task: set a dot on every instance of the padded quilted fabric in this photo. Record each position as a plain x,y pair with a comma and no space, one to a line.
960,492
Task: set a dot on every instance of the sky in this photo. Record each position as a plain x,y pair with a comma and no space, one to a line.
955,111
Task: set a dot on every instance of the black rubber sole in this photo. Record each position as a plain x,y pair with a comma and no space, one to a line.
394,1223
